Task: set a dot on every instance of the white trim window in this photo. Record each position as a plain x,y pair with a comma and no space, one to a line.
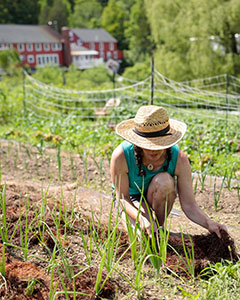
115,55
47,59
101,46
29,47
109,55
71,36
9,46
111,46
102,55
38,47
1,46
46,46
20,47
22,57
30,59
56,46
92,46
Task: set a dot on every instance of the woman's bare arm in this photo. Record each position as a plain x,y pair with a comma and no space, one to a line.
119,176
187,199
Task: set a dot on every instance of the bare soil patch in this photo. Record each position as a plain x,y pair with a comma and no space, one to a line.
30,176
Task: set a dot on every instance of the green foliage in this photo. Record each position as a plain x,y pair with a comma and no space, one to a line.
138,33
87,14
97,75
51,75
19,12
139,71
114,21
224,284
208,144
190,40
9,59
195,41
94,78
217,147
56,13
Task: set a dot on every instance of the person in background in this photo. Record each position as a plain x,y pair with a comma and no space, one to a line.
149,161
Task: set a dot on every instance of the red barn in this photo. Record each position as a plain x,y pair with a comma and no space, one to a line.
36,44
97,39
41,45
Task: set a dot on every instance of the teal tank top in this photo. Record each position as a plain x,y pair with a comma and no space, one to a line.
135,181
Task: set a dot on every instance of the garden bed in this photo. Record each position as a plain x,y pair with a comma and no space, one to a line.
29,252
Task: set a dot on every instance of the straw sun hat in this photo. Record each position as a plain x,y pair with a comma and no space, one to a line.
152,129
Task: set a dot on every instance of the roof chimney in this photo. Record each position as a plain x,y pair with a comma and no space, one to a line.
66,46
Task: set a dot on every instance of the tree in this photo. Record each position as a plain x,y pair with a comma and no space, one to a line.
19,12
113,21
138,33
103,2
87,14
9,59
195,40
219,20
139,71
44,14
55,15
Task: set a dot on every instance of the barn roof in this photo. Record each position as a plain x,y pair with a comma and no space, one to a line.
94,35
28,34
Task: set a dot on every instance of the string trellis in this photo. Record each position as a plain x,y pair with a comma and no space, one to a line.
215,98
45,100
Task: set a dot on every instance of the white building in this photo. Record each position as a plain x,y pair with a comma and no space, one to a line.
84,58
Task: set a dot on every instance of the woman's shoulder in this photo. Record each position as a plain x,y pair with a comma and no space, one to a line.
118,158
175,148
126,146
117,152
183,163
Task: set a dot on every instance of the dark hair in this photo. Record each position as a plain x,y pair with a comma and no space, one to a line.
138,153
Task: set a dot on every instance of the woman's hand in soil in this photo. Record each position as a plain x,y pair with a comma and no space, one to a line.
217,227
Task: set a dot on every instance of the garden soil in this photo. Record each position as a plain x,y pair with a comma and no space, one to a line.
30,174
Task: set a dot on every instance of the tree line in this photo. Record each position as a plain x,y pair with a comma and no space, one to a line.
189,39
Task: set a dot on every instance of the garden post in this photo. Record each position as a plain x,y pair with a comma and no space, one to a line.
227,85
24,94
152,80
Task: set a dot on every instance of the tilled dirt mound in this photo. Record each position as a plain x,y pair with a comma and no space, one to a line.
202,250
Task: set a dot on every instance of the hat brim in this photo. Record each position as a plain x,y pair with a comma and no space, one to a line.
177,130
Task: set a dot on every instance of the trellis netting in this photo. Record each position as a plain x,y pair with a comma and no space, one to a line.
45,100
215,98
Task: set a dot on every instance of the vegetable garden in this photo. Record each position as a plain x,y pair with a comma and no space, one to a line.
61,237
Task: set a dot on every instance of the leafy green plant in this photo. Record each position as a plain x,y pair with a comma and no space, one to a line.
238,192
3,229
87,241
223,282
189,261
203,174
4,226
31,286
24,234
59,160
41,214
217,195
